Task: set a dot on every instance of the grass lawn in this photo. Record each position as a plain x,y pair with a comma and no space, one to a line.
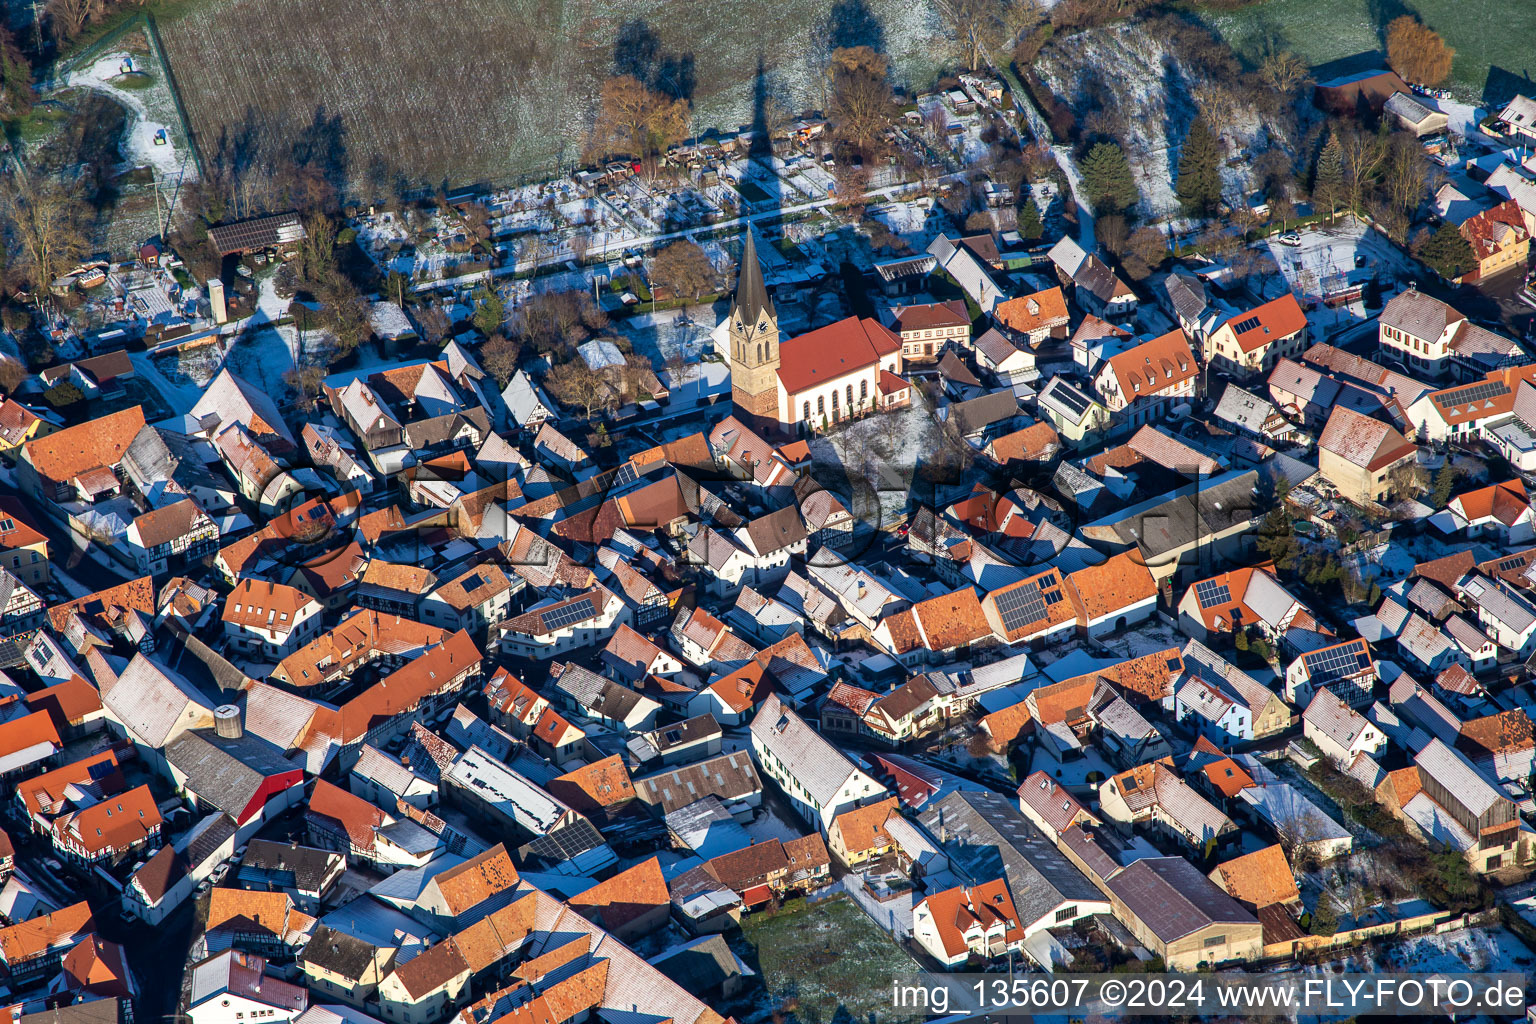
824,962
1483,33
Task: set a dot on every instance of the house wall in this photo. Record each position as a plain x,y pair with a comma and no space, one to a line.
1222,350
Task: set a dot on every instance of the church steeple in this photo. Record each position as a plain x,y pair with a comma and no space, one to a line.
753,331
752,300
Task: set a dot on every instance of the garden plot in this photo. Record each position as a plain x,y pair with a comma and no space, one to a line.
812,179
1461,951
821,961
671,334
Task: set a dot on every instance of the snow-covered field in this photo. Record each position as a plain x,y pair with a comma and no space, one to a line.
463,117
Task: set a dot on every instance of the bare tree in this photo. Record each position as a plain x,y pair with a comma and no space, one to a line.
45,218
861,105
575,383
499,357
69,17
979,28
433,324
637,121
1364,154
683,269
1285,72
1407,174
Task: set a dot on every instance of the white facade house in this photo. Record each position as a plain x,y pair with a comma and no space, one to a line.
1340,731
233,988
818,779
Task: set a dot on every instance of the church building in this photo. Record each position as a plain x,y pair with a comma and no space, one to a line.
811,381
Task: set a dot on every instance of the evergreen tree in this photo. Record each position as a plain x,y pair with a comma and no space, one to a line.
1325,919
490,311
1030,225
1199,182
1447,253
1445,482
1328,187
1107,177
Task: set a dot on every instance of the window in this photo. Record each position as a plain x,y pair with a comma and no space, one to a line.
821,405
863,395
1215,940
805,413
834,398
850,396
1066,914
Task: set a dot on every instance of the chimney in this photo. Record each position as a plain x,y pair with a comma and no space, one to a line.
216,300
226,722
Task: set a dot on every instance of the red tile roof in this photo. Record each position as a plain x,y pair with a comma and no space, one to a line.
352,814
834,351
1276,320
1029,313
601,784
28,731
624,897
65,454
33,938
1154,366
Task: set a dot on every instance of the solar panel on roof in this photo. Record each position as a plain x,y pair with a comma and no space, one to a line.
1021,606
1246,325
1210,592
1481,392
573,612
626,475
1336,662
1511,563
1070,398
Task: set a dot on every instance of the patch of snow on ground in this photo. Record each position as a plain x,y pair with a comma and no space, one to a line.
170,159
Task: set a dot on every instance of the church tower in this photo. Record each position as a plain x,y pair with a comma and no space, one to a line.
753,330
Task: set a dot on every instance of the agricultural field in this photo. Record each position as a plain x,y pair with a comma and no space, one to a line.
1484,33
465,91
822,962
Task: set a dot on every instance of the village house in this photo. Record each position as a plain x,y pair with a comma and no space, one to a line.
968,923
1031,320
1446,800
233,986
271,619
820,782
174,535
1500,239
1338,730
1358,455
23,547
1154,792
1144,383
1079,417
79,463
1247,345
928,329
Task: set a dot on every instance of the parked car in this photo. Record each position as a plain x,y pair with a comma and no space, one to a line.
1290,238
